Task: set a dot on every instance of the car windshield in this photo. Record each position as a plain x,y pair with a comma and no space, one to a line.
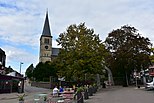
150,79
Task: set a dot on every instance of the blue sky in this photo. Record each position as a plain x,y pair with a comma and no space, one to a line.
21,22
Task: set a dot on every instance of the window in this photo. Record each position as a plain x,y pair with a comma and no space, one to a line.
46,55
46,41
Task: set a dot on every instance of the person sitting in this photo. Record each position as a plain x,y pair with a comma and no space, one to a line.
55,91
61,90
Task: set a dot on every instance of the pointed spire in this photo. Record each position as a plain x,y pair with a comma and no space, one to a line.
46,28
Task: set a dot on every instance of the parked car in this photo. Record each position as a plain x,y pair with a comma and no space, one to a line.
150,85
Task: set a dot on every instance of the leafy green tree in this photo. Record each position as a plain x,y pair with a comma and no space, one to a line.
43,71
29,71
152,56
129,50
82,52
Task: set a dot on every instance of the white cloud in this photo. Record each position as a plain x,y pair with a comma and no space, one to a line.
16,55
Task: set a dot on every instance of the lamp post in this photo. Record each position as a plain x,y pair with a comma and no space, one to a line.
20,66
135,74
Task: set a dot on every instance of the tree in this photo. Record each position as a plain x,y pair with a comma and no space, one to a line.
43,71
29,71
129,50
82,52
152,56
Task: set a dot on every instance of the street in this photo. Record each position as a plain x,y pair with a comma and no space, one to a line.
122,95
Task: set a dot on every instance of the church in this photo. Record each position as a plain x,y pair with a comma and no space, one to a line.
47,52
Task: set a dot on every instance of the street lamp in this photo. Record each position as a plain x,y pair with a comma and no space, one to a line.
135,74
20,66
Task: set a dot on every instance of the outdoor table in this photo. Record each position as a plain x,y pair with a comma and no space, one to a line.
59,99
39,97
68,96
56,100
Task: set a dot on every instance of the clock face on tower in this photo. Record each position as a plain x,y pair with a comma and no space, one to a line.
46,47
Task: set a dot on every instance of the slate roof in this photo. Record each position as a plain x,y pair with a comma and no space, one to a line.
46,28
55,51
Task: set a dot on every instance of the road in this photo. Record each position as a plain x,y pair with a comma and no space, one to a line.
122,95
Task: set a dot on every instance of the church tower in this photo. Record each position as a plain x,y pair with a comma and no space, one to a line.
45,42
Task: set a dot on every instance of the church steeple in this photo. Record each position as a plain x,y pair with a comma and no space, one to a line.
46,42
46,28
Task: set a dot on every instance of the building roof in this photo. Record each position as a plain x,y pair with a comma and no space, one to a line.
55,51
46,28
2,52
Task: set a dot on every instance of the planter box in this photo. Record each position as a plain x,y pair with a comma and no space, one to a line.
80,98
86,96
90,92
21,101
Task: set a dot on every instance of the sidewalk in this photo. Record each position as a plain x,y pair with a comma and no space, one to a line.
13,97
8,96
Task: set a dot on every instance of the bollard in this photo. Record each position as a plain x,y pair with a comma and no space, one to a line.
80,97
86,96
90,93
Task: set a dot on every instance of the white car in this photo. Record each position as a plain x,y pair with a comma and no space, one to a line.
150,86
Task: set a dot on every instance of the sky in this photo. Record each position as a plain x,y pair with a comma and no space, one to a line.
21,23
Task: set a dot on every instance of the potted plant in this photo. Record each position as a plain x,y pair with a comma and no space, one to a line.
21,98
90,91
80,89
94,88
86,92
80,94
45,99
